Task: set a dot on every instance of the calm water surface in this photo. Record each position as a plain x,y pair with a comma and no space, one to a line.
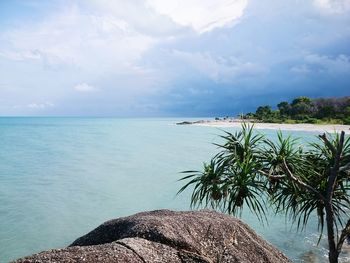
62,177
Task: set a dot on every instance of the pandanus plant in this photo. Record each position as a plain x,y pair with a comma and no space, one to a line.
251,170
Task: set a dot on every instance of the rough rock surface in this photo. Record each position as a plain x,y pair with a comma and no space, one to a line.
167,236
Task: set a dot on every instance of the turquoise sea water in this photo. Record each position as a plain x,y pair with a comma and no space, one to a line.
62,177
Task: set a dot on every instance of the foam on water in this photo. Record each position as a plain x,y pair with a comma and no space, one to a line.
61,177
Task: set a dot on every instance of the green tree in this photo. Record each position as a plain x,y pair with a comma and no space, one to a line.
301,99
347,111
284,108
301,107
327,111
263,112
255,172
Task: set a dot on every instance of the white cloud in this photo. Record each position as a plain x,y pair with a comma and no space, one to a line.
70,37
333,6
339,64
36,106
140,15
219,69
324,64
201,15
22,55
41,105
103,42
83,87
172,17
302,69
130,50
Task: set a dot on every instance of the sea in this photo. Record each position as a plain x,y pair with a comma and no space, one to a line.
62,177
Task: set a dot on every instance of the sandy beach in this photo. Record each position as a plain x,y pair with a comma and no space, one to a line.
330,128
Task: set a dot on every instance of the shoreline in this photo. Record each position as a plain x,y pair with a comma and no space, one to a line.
236,123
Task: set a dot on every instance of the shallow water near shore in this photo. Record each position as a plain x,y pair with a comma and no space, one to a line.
62,177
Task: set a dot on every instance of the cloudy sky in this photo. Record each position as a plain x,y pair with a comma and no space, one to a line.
169,57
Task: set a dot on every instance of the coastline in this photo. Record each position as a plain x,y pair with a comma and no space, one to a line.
236,123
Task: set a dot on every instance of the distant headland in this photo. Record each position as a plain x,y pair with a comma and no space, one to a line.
302,114
305,110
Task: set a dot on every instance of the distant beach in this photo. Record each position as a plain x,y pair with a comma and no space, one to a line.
236,123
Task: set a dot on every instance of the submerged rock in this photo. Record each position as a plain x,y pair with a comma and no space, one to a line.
167,236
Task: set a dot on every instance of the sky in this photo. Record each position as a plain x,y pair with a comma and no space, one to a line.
155,58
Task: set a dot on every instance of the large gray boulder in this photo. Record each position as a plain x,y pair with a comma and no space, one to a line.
167,236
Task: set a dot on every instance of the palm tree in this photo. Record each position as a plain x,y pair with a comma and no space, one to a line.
255,172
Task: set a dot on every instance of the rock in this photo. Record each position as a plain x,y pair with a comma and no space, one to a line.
184,123
167,236
108,253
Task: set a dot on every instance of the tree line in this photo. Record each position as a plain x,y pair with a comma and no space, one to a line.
305,110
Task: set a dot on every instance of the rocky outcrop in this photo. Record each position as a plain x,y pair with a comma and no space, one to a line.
167,236
192,122
184,123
